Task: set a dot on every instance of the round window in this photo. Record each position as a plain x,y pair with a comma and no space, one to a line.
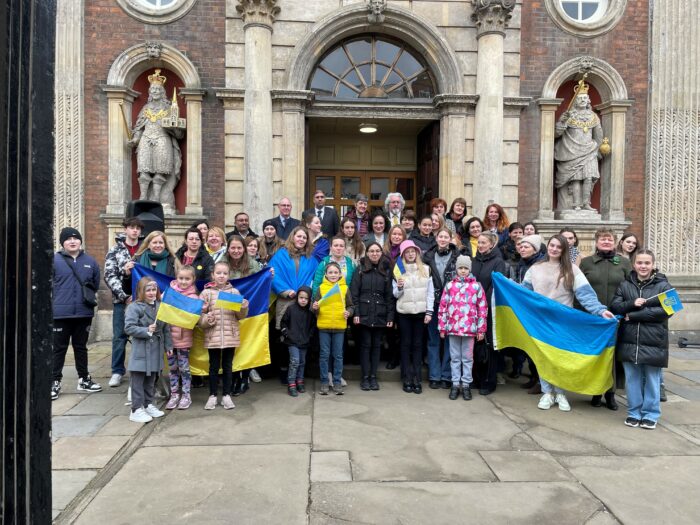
586,18
158,4
584,10
156,11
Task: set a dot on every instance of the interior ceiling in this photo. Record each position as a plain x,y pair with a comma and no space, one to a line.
348,126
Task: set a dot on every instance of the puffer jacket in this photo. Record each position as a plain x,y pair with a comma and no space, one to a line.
463,308
146,349
203,264
67,293
331,312
441,279
118,281
643,340
372,295
226,331
182,337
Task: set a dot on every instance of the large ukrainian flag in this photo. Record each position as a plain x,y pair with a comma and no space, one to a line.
572,349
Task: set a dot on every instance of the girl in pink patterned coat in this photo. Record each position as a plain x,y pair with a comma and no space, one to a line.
462,317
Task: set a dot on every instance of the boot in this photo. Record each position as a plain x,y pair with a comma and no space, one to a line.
536,389
530,382
596,401
364,384
662,393
373,385
610,402
454,392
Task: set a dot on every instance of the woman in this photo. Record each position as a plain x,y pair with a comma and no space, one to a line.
423,236
628,245
354,247
371,292
472,229
252,246
318,240
392,246
438,207
509,249
530,228
487,260
378,233
155,254
555,277
338,256
271,242
438,221
203,227
193,253
572,239
496,221
215,243
441,260
409,221
454,218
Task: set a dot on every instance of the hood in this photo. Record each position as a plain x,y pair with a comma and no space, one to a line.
308,291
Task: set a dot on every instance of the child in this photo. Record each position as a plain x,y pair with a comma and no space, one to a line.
333,314
221,334
642,343
298,327
179,356
462,316
149,340
423,236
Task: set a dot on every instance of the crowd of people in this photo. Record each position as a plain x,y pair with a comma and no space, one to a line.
417,288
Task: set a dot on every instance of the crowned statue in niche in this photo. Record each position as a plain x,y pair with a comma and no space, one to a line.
579,147
155,135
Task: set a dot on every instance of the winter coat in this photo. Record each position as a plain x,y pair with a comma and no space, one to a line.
182,337
361,225
203,264
372,295
425,243
118,281
440,280
331,313
226,331
170,264
484,265
146,349
417,295
525,264
605,275
253,267
67,292
455,225
298,324
643,340
321,271
463,309
289,275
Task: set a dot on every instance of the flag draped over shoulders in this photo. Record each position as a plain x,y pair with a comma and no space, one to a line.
287,276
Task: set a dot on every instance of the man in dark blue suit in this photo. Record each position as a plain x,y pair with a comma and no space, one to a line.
330,222
284,223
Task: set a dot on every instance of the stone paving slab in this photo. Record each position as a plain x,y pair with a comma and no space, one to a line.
411,503
642,489
98,403
65,402
119,426
66,484
691,393
238,484
62,426
510,465
692,375
85,452
331,466
680,413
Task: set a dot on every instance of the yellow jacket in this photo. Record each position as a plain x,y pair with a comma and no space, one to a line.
330,312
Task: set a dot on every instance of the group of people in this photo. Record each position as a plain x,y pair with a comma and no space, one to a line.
420,286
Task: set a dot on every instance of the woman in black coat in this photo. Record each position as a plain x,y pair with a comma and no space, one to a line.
194,254
371,292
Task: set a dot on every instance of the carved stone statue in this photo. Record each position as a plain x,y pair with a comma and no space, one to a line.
376,11
155,135
576,151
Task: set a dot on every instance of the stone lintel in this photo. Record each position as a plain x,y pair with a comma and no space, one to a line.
544,102
122,92
517,102
258,13
291,100
230,98
492,16
362,109
193,93
613,106
455,104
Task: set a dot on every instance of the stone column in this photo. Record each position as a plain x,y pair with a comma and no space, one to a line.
258,17
548,109
612,169
193,99
491,18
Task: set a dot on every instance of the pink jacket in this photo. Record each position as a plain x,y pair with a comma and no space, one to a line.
182,337
225,332
463,308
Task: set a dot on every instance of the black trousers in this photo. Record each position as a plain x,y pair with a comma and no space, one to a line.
412,331
370,347
65,331
220,358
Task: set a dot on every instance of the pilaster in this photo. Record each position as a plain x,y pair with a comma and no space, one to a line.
193,99
548,110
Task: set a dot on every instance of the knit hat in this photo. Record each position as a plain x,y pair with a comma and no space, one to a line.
268,222
533,240
361,197
463,261
67,233
405,245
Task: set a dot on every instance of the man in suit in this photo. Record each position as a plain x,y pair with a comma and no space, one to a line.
330,222
393,206
242,226
284,223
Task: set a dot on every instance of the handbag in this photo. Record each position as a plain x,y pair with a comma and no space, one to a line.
482,349
88,289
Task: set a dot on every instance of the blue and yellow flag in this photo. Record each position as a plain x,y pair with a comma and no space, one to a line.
399,268
179,310
139,271
572,349
670,301
332,294
229,301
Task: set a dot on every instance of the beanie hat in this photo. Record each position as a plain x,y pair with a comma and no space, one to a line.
405,245
268,222
67,233
464,261
533,240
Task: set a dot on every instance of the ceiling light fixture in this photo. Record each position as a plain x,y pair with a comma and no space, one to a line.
368,128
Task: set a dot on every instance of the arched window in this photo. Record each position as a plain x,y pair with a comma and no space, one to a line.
584,10
371,66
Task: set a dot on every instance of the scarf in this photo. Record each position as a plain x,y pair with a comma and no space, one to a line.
161,259
573,253
605,255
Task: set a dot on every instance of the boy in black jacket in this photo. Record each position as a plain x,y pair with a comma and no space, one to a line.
298,326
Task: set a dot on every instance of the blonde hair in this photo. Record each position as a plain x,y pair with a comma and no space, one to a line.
147,242
141,287
187,268
219,232
423,269
387,242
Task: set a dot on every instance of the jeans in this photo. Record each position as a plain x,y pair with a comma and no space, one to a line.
549,388
438,369
143,389
179,362
411,327
370,346
331,346
220,358
297,362
119,339
643,383
66,331
461,359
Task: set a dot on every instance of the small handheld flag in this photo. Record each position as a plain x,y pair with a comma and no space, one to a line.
399,268
229,301
179,310
670,301
335,290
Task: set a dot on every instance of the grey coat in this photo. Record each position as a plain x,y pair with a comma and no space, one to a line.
146,349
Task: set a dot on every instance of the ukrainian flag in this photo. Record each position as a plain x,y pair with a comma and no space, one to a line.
399,268
179,310
139,271
670,301
333,293
572,349
229,301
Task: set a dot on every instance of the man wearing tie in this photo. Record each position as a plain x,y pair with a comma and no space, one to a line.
394,205
285,223
330,222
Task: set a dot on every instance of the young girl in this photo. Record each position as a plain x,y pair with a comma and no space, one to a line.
333,315
354,247
179,356
628,245
423,236
221,334
298,327
337,255
572,239
462,317
149,340
415,296
642,343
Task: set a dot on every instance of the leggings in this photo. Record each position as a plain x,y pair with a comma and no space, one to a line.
179,362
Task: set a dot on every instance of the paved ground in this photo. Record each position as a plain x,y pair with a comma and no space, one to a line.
375,457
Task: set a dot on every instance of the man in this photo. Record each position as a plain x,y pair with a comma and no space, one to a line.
242,226
360,215
330,222
394,205
284,223
72,316
118,265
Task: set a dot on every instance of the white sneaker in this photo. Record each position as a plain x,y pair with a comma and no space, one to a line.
343,382
211,403
153,411
140,416
546,402
115,380
563,403
227,402
254,376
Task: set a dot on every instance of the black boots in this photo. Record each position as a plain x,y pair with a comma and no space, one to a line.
610,402
364,384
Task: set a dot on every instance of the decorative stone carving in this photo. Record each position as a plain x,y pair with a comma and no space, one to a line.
492,16
153,49
376,11
258,12
584,64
